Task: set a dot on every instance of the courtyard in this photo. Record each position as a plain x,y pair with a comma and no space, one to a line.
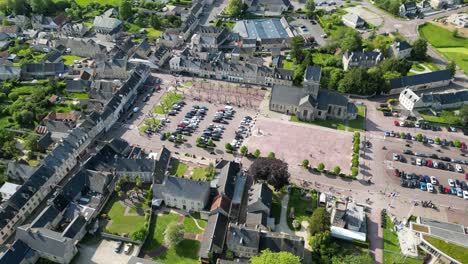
186,252
294,142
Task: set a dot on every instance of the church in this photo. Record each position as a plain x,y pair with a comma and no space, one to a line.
309,102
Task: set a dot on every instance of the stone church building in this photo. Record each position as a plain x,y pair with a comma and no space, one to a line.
309,102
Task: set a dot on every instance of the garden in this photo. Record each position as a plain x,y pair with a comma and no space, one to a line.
452,46
301,205
391,248
190,170
447,116
457,252
174,248
166,103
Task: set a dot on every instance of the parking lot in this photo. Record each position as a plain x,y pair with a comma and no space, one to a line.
102,251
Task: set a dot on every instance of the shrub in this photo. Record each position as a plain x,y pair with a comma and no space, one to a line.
457,143
320,166
354,171
392,101
356,148
271,155
256,153
305,163
337,170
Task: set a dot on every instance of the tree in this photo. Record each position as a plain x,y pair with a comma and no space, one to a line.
228,147
235,8
455,33
229,255
354,171
297,44
25,118
319,221
278,258
40,6
210,142
305,163
437,140
31,143
210,171
155,22
348,39
121,194
244,150
271,155
419,49
273,171
310,8
174,234
337,170
419,137
320,166
463,115
199,141
138,182
256,153
125,10
353,259
139,235
456,143
452,67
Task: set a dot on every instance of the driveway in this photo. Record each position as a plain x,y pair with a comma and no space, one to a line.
102,252
375,235
313,30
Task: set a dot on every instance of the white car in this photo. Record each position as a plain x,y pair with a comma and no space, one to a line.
459,192
451,183
465,195
458,168
418,162
433,180
430,188
396,156
128,248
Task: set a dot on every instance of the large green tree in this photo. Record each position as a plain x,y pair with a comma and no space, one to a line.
319,221
125,9
235,8
464,115
268,257
310,8
174,234
452,67
419,49
297,44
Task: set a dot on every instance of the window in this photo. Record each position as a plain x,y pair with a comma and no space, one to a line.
329,109
319,113
339,111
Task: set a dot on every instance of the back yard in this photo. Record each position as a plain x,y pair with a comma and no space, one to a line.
191,170
304,204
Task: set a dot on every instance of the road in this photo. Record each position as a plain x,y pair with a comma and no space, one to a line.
212,11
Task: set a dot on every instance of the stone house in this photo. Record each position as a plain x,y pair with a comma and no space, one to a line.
366,59
400,50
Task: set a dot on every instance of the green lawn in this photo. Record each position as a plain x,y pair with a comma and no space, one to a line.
453,48
302,208
102,2
289,65
392,247
191,227
200,173
186,252
166,102
132,28
320,58
69,59
178,168
153,32
80,95
446,116
144,206
122,224
457,252
188,83
417,67
432,66
352,125
33,162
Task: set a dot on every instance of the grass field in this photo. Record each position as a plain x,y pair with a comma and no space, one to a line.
302,208
392,247
80,95
289,65
102,2
69,59
178,168
166,102
276,206
123,224
453,48
351,125
191,227
446,117
153,32
457,252
185,253
199,173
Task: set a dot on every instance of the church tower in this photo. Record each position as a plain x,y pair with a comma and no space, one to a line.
311,82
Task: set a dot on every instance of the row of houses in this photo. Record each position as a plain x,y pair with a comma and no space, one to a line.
66,155
410,100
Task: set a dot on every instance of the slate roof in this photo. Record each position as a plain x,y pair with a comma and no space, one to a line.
227,179
10,71
134,165
286,94
161,165
357,56
260,192
278,242
313,73
182,187
16,253
308,99
254,219
410,5
419,79
402,45
45,217
20,169
353,18
77,85
242,236
446,98
108,23
45,240
214,234
39,68
53,57
328,97
74,227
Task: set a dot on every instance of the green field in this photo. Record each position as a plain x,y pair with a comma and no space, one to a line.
102,2
446,117
153,32
289,65
120,223
453,48
178,168
351,125
166,102
69,59
199,173
191,227
457,252
79,95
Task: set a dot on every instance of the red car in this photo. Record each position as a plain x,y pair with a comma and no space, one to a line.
157,88
396,123
466,176
396,173
446,190
429,163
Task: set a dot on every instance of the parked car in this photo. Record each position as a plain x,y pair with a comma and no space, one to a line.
451,183
465,195
441,189
422,186
396,157
430,188
118,246
433,180
397,173
458,168
128,248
